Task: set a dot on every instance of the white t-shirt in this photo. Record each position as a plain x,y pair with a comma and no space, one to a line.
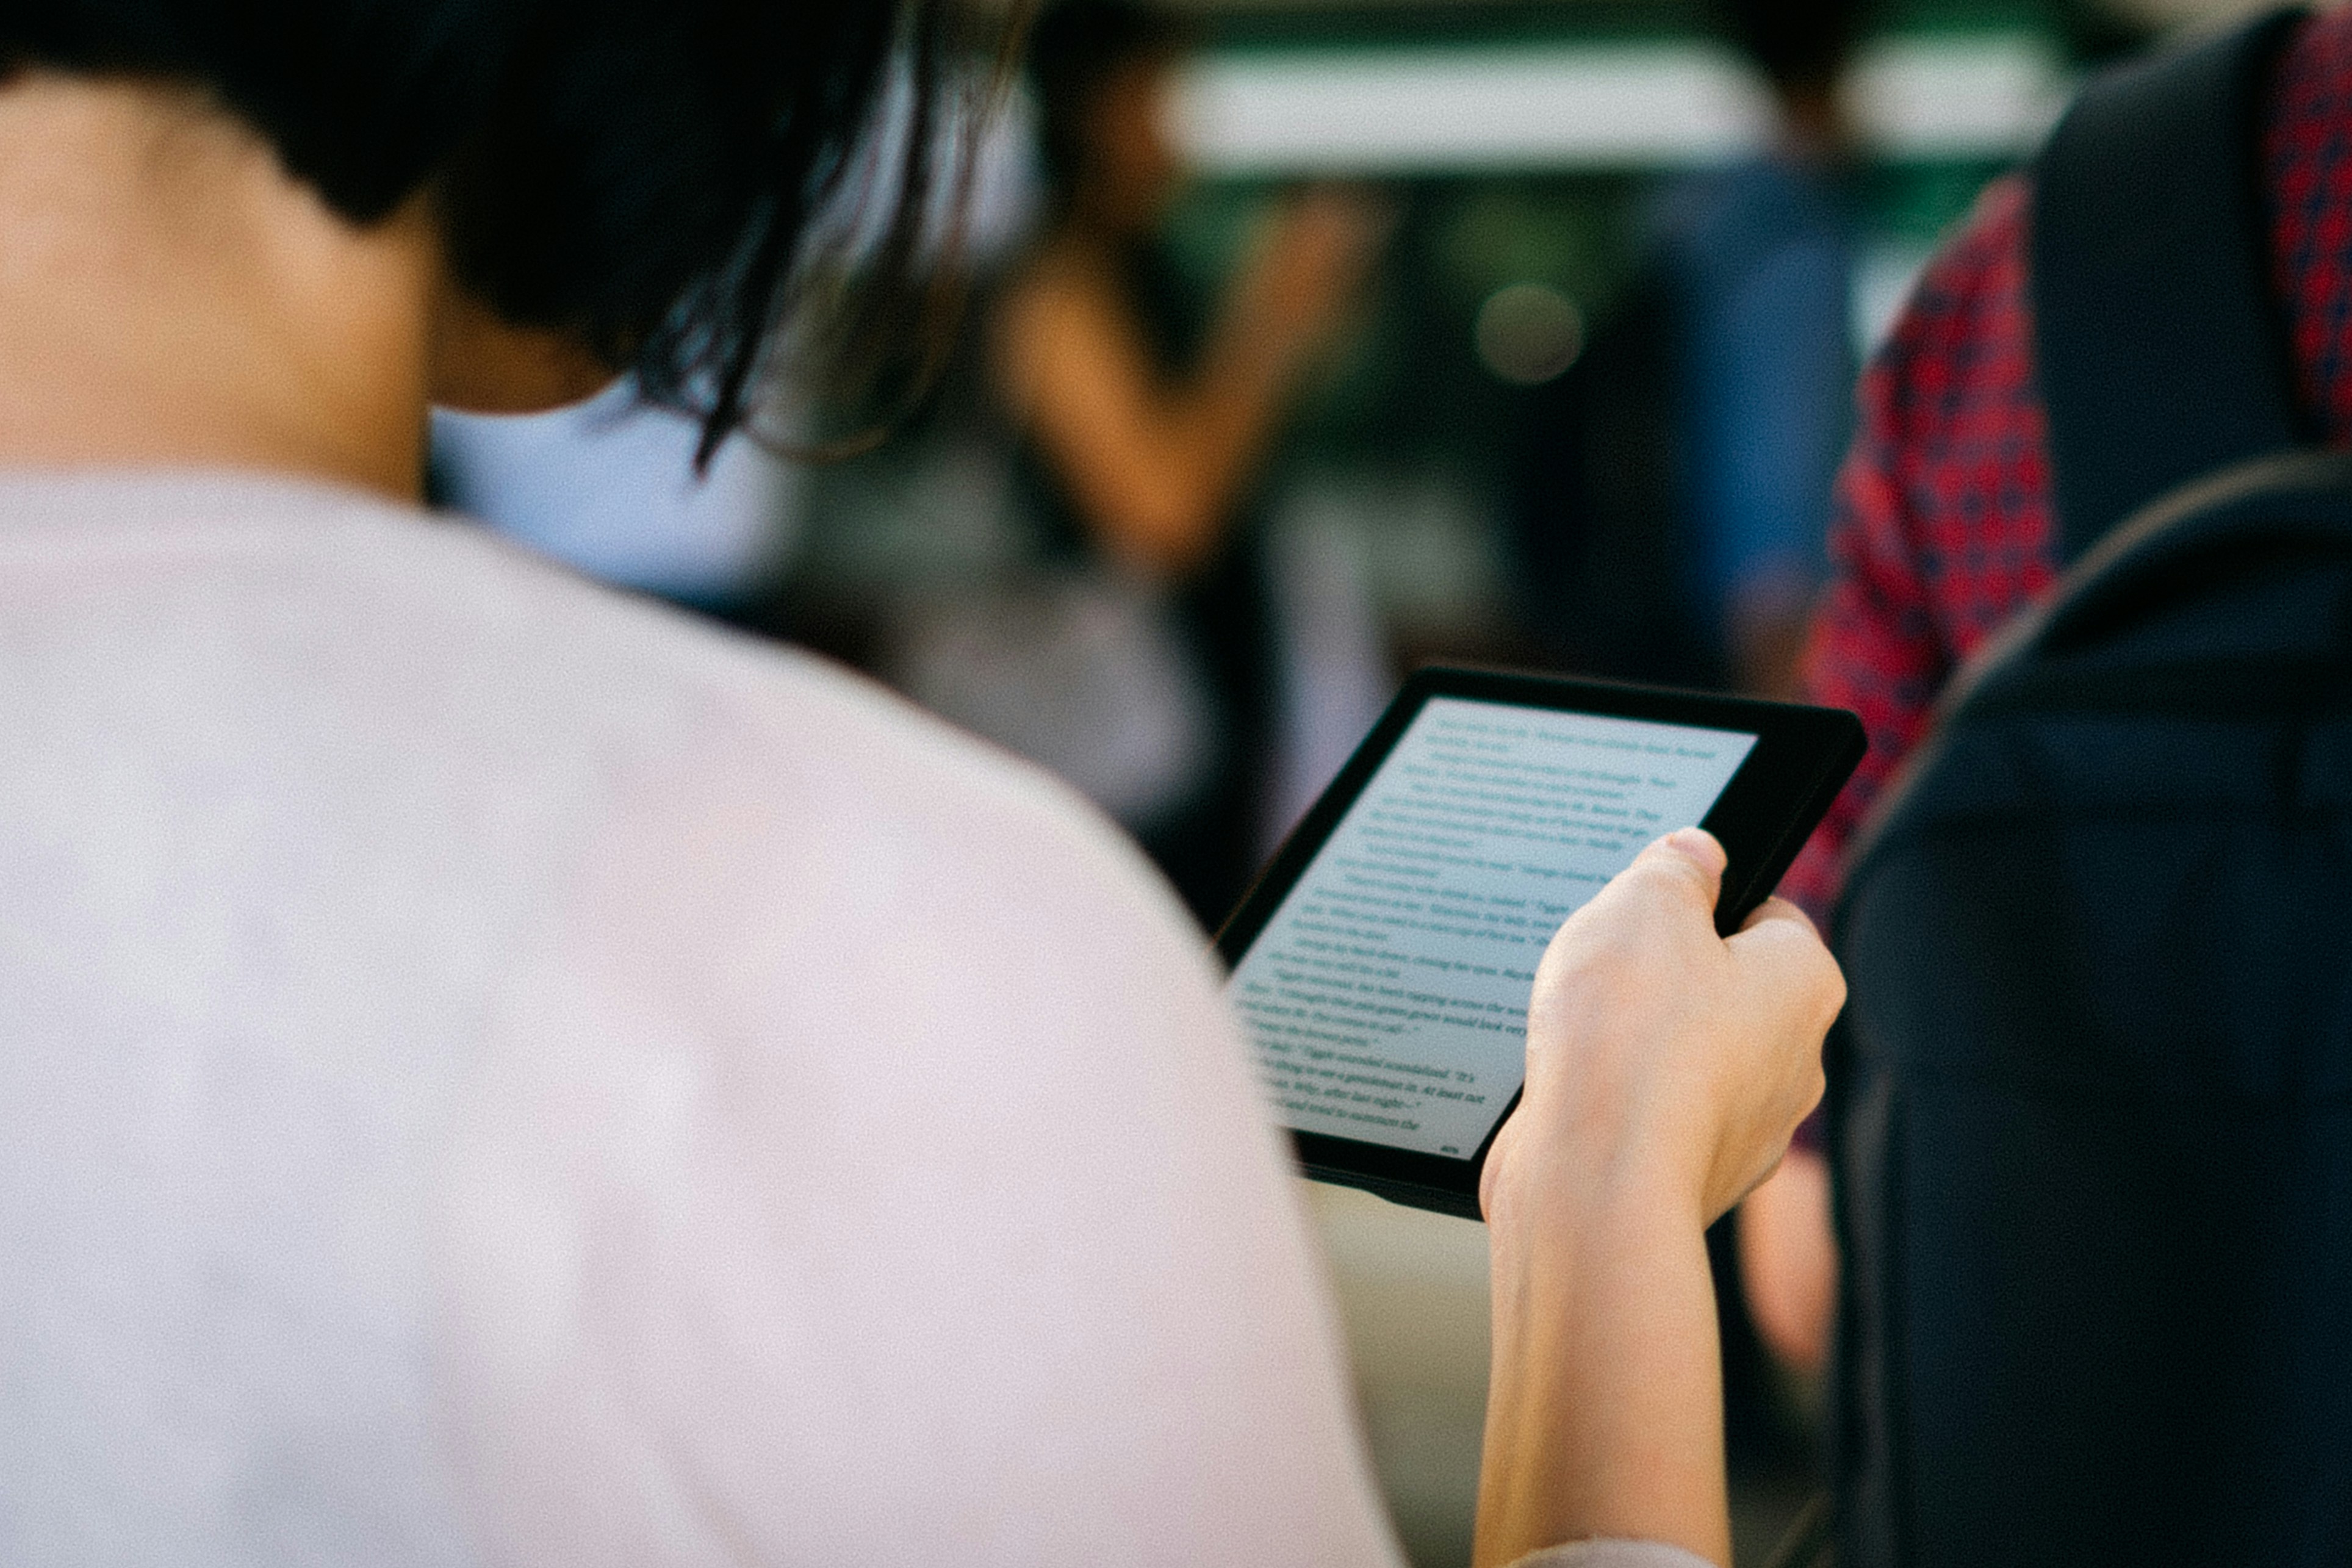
492,1071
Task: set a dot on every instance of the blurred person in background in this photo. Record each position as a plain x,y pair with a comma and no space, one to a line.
1759,256
1674,490
1943,527
1147,412
1675,494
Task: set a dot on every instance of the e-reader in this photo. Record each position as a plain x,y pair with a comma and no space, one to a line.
1383,962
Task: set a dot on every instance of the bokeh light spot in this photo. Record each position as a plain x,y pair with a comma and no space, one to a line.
1528,332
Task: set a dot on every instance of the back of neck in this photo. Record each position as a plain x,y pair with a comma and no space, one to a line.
170,296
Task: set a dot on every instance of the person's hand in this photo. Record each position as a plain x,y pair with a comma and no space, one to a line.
1667,1068
1664,1055
1310,264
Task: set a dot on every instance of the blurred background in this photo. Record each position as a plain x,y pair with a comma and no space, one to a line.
1308,343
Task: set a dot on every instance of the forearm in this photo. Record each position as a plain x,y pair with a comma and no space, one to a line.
1667,1068
1153,466
1211,433
1279,309
1155,459
1788,1261
1604,1410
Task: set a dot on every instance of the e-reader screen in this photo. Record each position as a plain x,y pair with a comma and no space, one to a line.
1387,994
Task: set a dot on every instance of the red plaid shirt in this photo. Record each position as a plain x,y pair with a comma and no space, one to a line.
1943,526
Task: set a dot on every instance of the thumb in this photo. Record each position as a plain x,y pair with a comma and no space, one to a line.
1689,859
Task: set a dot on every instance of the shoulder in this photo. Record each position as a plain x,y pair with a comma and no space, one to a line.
2306,153
870,772
2308,131
873,1092
1946,492
1962,351
795,859
444,636
768,768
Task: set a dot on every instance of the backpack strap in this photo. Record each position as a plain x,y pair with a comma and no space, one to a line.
2161,351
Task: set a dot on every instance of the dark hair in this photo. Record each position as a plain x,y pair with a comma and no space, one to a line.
1799,45
665,179
1075,48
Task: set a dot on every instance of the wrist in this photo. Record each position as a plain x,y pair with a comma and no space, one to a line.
1589,1181
1603,1409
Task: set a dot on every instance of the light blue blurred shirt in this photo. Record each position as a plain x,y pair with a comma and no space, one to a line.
1761,262
608,487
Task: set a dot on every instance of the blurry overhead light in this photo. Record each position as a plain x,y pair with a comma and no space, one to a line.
1528,332
1381,110
1391,111
1959,97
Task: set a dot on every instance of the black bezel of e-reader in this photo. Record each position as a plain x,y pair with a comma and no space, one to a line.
1801,758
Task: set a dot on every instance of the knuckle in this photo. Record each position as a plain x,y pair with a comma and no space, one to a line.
1667,877
1830,981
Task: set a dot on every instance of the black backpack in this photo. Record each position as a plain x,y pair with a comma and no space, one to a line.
2091,1105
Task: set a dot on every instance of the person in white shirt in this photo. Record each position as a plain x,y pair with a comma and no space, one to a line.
499,1073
